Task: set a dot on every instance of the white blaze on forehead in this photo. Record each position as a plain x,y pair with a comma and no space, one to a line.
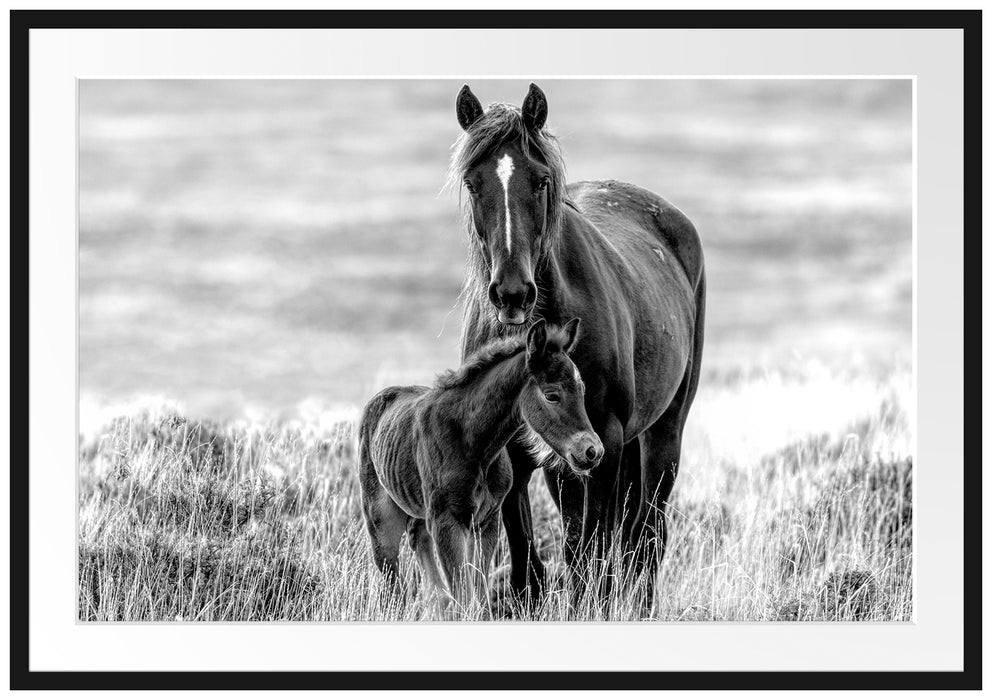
504,170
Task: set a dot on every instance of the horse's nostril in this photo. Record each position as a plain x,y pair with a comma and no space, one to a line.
493,295
531,295
592,454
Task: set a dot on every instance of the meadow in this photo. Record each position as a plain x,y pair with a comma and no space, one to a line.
807,518
256,258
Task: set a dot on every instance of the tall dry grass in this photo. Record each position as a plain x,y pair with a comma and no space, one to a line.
794,503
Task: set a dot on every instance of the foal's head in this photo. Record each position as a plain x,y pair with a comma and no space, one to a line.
553,402
514,176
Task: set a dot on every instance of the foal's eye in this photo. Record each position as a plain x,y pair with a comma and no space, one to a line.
552,397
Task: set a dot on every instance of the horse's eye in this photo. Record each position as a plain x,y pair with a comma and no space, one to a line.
542,185
469,187
552,397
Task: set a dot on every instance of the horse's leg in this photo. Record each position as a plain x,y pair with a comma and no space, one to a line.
488,539
627,492
597,525
583,547
451,537
526,568
566,492
661,447
587,534
473,569
661,451
423,548
386,522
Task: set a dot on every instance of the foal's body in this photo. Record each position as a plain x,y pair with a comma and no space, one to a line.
411,478
432,460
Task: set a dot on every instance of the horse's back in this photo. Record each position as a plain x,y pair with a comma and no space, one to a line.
647,214
377,406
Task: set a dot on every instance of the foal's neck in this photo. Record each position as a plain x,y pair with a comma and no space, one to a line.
491,406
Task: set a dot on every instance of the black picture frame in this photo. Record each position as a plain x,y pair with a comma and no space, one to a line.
21,22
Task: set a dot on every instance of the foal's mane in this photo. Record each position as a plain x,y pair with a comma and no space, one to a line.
492,354
502,123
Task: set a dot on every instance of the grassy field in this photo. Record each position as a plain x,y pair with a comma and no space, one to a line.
804,513
257,258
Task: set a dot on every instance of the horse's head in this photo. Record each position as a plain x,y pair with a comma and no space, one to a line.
553,404
512,171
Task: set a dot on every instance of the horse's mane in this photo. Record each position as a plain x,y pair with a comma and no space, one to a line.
499,124
492,354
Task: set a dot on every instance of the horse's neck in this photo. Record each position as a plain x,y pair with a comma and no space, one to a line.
490,405
552,274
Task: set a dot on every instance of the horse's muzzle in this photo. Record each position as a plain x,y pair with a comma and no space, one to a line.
511,317
513,301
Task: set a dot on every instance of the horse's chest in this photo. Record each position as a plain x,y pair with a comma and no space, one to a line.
492,487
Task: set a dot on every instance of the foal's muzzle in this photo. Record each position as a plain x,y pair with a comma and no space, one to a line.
586,452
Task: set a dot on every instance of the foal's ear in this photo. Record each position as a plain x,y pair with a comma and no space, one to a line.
537,338
534,108
467,107
572,335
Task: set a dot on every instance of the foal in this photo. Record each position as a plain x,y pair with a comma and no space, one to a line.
432,463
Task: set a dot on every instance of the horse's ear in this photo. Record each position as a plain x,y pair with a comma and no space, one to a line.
537,338
468,107
572,335
535,108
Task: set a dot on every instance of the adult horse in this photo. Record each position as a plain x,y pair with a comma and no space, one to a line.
631,266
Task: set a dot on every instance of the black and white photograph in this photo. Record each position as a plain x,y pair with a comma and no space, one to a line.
526,349
463,349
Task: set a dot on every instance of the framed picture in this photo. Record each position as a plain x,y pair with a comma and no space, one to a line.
497,349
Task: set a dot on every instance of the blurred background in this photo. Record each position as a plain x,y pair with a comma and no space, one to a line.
261,247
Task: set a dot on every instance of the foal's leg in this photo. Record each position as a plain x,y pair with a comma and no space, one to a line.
488,539
472,558
527,574
451,536
488,534
423,548
386,522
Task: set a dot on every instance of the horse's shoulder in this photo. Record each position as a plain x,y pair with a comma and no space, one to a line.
437,421
603,198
